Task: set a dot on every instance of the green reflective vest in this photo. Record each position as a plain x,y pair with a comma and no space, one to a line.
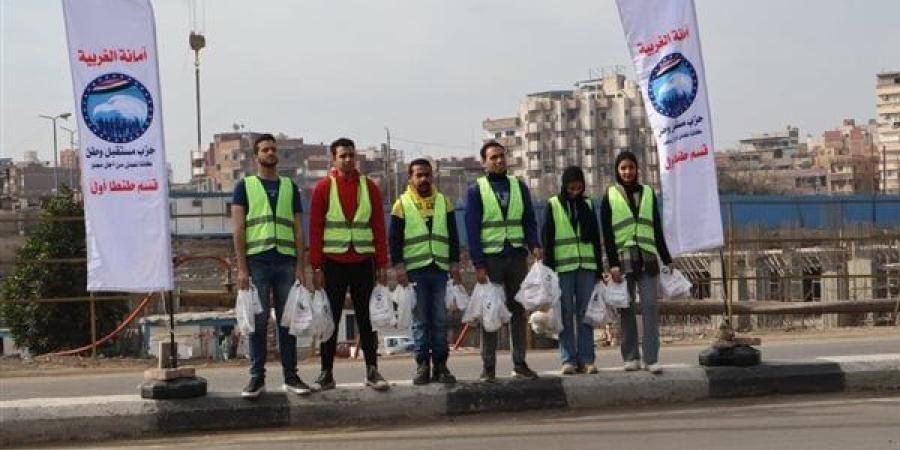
421,247
265,230
341,233
628,230
569,251
496,229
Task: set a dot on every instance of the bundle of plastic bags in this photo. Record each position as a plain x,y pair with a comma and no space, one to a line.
246,307
494,312
321,321
381,309
673,283
597,312
617,294
297,315
456,297
405,298
540,288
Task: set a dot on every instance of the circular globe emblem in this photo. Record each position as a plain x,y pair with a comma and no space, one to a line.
117,108
673,85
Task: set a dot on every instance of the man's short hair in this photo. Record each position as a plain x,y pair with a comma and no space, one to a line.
262,138
341,142
489,144
417,162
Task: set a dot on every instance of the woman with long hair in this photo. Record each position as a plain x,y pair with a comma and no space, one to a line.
635,245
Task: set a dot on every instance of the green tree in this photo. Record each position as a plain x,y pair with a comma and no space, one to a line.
47,327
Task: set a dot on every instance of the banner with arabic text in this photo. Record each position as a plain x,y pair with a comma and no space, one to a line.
664,42
112,53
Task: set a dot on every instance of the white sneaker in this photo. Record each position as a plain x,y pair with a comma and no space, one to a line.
632,366
654,368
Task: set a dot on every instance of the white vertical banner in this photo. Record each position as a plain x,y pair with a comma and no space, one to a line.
112,53
664,41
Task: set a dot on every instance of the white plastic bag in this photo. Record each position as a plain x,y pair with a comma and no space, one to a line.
381,309
405,298
456,296
617,294
322,322
547,323
540,288
474,308
493,303
302,315
673,283
596,313
245,309
287,315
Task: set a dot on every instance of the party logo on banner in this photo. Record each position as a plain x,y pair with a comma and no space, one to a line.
117,108
672,86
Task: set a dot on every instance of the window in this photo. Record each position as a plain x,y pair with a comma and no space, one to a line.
510,133
498,135
197,203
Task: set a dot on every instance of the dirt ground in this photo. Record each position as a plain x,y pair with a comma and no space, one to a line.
13,366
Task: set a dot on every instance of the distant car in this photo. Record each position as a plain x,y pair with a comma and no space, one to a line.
398,344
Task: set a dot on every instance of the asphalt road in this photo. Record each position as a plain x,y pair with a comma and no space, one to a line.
824,422
465,366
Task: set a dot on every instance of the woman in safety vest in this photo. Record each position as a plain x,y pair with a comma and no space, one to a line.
634,241
571,238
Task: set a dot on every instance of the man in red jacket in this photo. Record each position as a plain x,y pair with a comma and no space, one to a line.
348,249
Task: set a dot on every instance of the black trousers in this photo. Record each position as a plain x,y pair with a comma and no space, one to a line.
360,279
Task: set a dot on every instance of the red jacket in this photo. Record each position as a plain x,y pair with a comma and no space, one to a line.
347,190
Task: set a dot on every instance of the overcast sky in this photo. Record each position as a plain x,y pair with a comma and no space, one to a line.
432,70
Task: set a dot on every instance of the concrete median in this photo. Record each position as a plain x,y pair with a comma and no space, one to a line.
128,416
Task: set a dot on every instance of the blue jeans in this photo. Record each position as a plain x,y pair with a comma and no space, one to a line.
272,279
576,342
430,315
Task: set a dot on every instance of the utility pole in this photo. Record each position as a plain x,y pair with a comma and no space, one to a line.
71,147
387,163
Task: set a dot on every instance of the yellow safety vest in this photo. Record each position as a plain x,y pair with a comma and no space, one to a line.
341,233
496,229
632,231
569,251
421,247
265,230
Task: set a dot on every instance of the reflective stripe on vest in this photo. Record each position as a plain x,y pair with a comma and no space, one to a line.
421,247
569,251
265,230
341,233
496,229
628,230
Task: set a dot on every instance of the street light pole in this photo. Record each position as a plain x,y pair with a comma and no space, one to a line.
71,147
197,42
55,147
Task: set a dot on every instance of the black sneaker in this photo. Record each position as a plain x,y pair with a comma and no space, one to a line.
523,372
423,374
324,382
295,385
256,386
442,374
374,379
488,376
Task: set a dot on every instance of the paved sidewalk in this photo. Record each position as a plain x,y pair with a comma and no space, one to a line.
129,416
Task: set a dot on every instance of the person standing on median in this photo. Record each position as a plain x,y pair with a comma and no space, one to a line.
571,238
501,230
634,241
348,249
267,214
424,247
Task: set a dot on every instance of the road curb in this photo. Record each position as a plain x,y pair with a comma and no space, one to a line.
128,416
